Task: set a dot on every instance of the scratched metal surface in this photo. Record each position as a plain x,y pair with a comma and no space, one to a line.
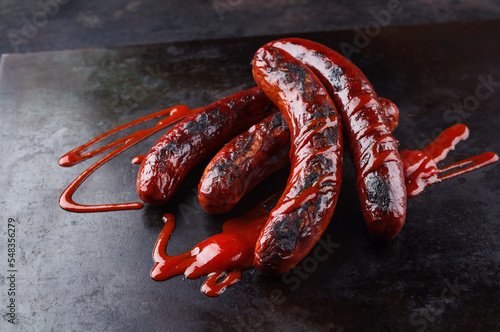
91,271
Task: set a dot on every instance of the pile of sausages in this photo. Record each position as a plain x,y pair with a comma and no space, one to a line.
308,99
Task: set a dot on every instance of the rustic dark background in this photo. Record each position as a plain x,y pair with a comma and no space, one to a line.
90,272
74,24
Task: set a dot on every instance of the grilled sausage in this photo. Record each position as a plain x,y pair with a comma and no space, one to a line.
194,139
242,163
367,121
308,202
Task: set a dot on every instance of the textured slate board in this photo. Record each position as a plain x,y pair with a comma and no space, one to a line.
91,271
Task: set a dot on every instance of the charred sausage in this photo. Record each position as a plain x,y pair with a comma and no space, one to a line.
367,121
194,139
308,202
251,157
244,162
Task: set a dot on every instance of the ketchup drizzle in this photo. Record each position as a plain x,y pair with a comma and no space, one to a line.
222,257
421,168
75,156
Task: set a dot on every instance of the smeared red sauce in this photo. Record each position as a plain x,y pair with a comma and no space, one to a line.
421,168
173,114
224,256
221,257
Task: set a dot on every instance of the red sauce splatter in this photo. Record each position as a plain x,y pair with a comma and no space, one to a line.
421,168
75,156
221,257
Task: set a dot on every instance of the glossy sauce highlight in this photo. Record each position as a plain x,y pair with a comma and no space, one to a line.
221,257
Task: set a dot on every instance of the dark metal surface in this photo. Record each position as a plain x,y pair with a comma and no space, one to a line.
91,271
48,25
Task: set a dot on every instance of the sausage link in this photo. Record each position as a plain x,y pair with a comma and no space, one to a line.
367,123
308,202
242,163
194,139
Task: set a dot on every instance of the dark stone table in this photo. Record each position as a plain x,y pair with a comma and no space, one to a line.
90,272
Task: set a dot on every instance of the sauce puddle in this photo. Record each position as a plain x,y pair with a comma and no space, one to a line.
221,257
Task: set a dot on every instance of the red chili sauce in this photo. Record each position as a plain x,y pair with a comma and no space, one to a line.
421,168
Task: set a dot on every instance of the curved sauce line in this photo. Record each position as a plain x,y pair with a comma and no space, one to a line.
221,257
174,114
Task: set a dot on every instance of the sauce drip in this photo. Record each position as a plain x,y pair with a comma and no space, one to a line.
421,168
173,114
221,257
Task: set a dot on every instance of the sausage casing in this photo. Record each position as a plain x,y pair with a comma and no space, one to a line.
244,162
367,121
308,202
251,157
194,139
